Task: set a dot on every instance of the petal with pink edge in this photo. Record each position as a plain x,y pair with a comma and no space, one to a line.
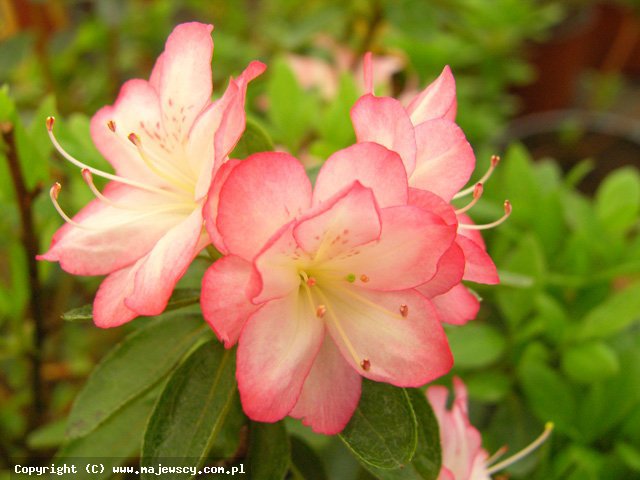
277,267
411,244
449,273
112,238
165,265
438,100
330,393
182,75
136,110
210,209
384,120
277,348
225,300
109,309
372,165
392,337
478,264
349,220
445,159
433,203
217,130
260,195
457,306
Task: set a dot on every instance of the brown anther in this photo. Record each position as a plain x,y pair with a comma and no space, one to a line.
112,125
495,159
50,122
135,139
477,191
320,311
311,281
364,278
507,207
365,364
55,189
404,310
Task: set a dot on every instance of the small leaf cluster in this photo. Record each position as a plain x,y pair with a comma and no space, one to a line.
559,340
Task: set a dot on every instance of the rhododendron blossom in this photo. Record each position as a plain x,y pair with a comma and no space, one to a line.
166,140
439,162
318,286
463,457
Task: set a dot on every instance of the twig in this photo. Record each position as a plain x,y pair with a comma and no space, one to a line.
24,198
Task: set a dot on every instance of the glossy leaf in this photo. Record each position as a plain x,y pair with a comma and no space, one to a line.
138,363
182,297
590,362
617,313
113,442
269,451
618,200
254,139
383,431
192,408
475,345
305,463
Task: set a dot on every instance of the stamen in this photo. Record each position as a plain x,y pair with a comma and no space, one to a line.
336,323
50,122
495,159
183,182
320,311
350,278
507,212
311,281
498,453
404,310
477,193
524,452
364,278
365,364
54,191
367,65
88,179
112,125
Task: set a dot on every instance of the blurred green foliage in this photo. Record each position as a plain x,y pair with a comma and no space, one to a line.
558,340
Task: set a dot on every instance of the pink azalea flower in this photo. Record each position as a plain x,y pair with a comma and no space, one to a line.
318,286
439,162
463,457
166,140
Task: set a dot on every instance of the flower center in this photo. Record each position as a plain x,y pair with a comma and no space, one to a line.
324,289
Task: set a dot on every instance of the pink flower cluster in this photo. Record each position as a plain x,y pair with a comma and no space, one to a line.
318,286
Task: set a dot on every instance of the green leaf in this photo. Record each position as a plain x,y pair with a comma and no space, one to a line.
426,461
526,259
48,436
475,345
549,396
80,314
428,457
269,451
488,386
519,185
291,110
192,408
618,200
629,454
182,297
305,463
590,362
614,315
336,129
113,442
138,363
254,139
383,431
